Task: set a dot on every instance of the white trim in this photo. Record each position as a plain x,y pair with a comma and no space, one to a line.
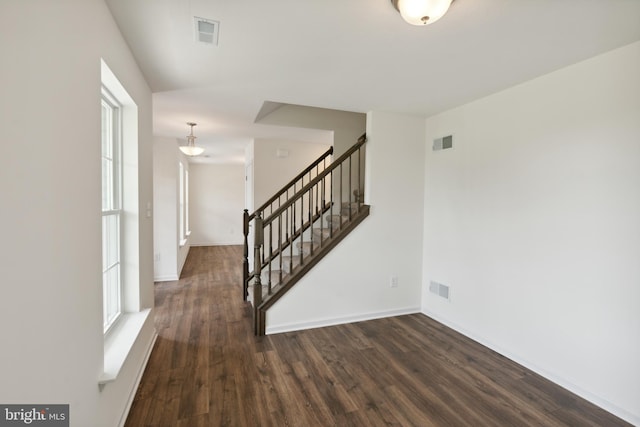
217,244
278,329
183,259
182,203
598,401
120,341
169,278
134,389
114,191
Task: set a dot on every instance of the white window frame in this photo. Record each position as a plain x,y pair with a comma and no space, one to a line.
135,314
111,209
187,226
182,231
183,204
112,264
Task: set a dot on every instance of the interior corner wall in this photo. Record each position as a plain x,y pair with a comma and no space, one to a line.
352,282
216,202
51,303
532,219
271,172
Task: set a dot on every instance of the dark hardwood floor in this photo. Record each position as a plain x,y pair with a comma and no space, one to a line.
207,368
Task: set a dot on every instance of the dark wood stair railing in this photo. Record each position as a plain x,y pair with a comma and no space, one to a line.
269,205
300,219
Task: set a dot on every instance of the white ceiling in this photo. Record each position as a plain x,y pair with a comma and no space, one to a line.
353,55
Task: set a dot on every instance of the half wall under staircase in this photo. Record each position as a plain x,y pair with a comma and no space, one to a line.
299,225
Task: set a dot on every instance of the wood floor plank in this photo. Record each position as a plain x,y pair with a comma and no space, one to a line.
312,395
207,368
336,386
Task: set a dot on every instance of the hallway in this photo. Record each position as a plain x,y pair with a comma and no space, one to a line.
207,368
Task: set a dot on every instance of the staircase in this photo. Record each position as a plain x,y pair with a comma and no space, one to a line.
299,225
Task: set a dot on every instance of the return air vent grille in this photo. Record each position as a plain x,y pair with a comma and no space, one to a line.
443,143
439,289
206,31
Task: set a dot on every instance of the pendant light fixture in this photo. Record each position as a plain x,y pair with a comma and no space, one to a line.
421,12
191,149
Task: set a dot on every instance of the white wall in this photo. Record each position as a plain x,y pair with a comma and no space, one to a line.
353,281
216,204
51,300
165,207
169,256
533,219
347,126
271,173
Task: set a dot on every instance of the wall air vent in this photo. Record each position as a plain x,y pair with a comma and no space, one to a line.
439,289
443,143
206,31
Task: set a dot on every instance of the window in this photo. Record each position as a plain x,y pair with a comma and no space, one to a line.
183,196
111,210
186,203
123,314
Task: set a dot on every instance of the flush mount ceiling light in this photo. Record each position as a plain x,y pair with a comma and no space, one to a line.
191,149
421,12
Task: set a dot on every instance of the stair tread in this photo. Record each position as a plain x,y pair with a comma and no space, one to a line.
350,208
289,262
335,217
324,231
275,276
337,221
305,247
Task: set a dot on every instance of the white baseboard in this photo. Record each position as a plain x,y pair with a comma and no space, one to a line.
136,383
169,278
218,244
602,403
278,329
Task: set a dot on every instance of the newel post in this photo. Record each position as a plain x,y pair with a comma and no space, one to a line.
257,283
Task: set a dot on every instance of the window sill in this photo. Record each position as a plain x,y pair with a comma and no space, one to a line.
119,343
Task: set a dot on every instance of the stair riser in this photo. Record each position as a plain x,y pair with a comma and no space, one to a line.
319,236
349,208
288,264
305,247
275,277
336,220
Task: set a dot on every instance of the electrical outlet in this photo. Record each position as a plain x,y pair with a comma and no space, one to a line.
393,282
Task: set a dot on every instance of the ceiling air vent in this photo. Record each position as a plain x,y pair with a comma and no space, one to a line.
206,31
